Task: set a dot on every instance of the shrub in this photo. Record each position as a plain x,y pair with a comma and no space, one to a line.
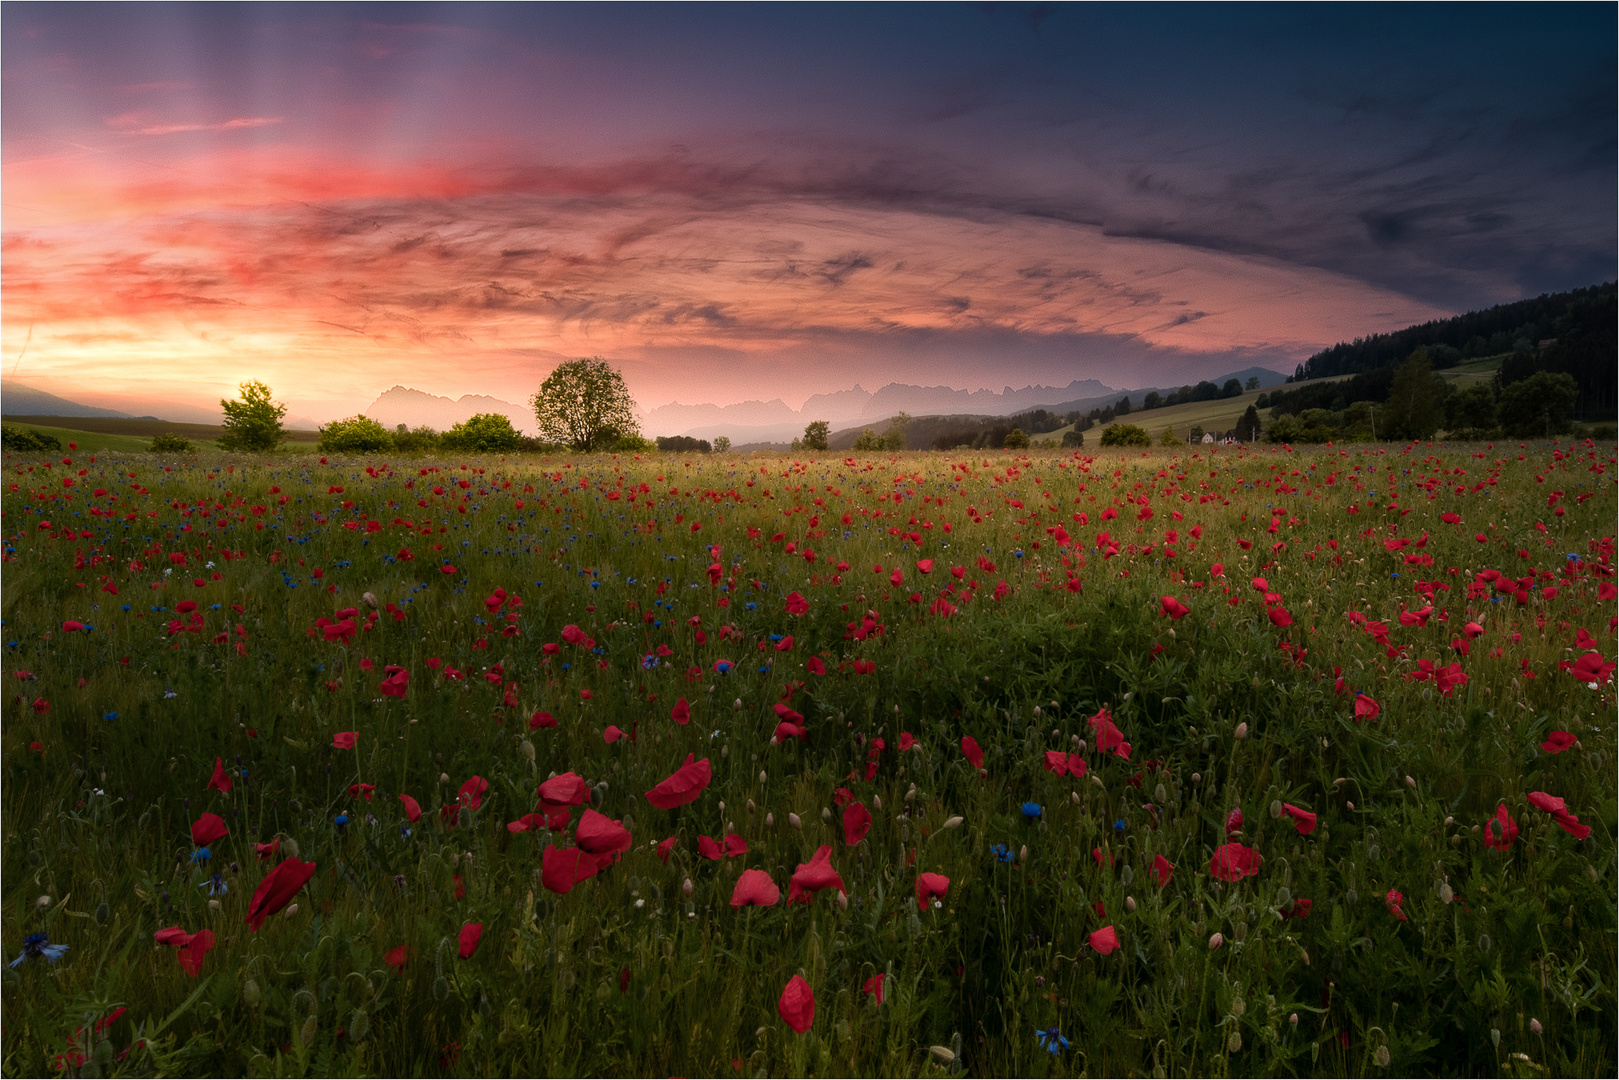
1537,406
27,440
722,444
417,440
170,443
252,421
1126,435
356,435
1016,440
683,444
1073,438
484,433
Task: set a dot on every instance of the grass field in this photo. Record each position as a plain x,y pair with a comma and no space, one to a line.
117,433
1224,762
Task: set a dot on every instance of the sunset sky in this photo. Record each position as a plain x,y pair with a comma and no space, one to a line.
750,201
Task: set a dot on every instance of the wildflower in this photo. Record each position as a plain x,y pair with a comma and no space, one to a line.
1233,822
601,836
1559,811
1108,737
344,740
1051,1039
1366,708
471,793
38,945
277,888
398,957
1557,741
266,851
797,1004
1233,862
969,747
1162,868
1394,898
813,876
221,781
215,885
1500,831
856,823
873,987
756,888
929,886
681,713
1303,819
563,868
681,787
208,828
1032,811
201,855
1003,853
1104,940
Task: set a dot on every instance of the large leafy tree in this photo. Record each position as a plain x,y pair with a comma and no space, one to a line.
585,404
253,420
816,435
1538,406
1415,407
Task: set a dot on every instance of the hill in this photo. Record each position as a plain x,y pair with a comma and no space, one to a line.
16,399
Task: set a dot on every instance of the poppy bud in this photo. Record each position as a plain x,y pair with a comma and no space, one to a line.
795,821
1075,741
1037,710
770,820
1293,1019
1349,804
751,807
1238,1007
687,887
1130,904
528,750
722,808
43,902
877,800
292,909
1495,1037
1075,796
737,704
1234,1043
1242,730
1449,821
843,900
370,599
1276,808
1160,794
1216,940
1410,783
1023,853
1446,893
953,821
1197,778
290,846
444,778
763,777
911,794
1534,1025
725,751
826,814
213,905
1096,780
942,1054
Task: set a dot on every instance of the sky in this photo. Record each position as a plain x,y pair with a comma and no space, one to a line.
744,201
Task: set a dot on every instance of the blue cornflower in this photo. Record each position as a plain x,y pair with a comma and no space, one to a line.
38,945
649,661
201,855
1118,826
110,716
1051,1039
1032,811
215,885
1003,853
341,820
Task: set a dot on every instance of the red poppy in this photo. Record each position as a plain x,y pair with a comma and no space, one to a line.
363,791
787,714
1104,940
277,890
1559,812
561,792
787,730
1233,862
170,935
1172,607
856,823
905,741
1162,869
925,565
563,868
1280,618
785,644
815,666
193,948
796,604
1296,909
470,933
575,636
267,851
682,786
1366,708
527,822
1590,668
413,809
1557,741
681,713
665,847
208,828
1303,819
735,846
813,876
975,756
612,734
873,987
221,781
1108,737
1059,762
541,719
472,792
1500,831
929,886
396,683
797,1004
344,740
1394,898
398,957
755,887
709,848
601,835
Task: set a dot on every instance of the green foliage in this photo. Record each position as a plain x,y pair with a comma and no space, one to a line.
1073,438
1471,410
1152,400
1125,435
422,439
722,444
815,435
1248,426
1016,440
1232,388
683,444
169,443
1252,384
585,404
894,437
483,433
355,435
1415,407
1537,407
1167,437
252,421
26,440
868,442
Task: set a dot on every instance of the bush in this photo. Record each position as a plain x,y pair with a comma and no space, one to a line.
483,433
252,421
1126,435
1538,406
683,444
416,440
1073,438
722,444
1167,436
355,435
1016,440
170,443
27,440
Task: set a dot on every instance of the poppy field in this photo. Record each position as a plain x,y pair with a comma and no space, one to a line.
1228,762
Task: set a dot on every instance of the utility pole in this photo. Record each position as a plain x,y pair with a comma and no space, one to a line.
1373,414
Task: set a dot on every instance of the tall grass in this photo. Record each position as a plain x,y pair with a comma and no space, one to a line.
1504,962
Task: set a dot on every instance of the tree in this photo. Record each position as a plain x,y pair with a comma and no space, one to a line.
1232,388
1126,435
417,440
1152,400
585,404
1537,406
1248,426
1073,438
815,435
253,421
1413,410
722,444
894,437
170,443
868,441
484,433
1252,383
1196,434
1167,436
355,435
1471,409
682,444
1016,440
1123,407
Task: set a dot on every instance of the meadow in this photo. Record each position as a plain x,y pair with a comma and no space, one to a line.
1238,761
